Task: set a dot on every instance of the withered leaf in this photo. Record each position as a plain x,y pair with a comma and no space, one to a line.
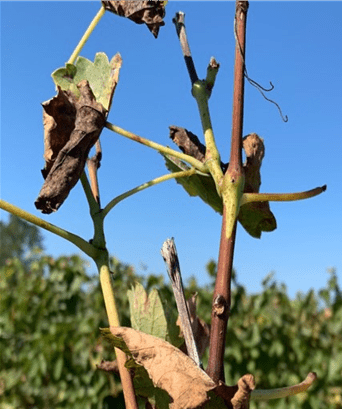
237,396
149,12
254,217
168,367
143,385
71,127
187,142
108,366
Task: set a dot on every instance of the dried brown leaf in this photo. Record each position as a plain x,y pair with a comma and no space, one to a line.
254,217
237,396
187,142
71,128
168,367
149,12
245,386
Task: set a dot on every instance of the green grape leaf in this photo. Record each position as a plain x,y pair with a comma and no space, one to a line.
146,311
196,185
102,75
151,315
256,218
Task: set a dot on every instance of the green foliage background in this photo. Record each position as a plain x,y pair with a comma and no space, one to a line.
51,311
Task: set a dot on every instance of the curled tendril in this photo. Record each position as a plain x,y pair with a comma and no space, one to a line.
254,83
261,89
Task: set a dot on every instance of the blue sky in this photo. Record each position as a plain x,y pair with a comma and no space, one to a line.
296,45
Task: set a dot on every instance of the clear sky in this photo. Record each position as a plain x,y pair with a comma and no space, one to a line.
296,45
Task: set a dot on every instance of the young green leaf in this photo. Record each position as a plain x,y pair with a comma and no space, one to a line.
102,75
146,311
196,185
151,315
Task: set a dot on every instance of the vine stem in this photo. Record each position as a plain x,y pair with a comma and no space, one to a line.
102,263
232,190
101,257
93,204
86,35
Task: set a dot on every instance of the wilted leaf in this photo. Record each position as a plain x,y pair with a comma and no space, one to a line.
72,126
143,385
149,12
168,367
254,217
102,75
187,142
73,121
237,396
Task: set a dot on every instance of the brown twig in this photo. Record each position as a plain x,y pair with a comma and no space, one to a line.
170,257
93,165
222,291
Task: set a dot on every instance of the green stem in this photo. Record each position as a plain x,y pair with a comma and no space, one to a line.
231,187
137,189
212,155
212,71
93,205
102,262
280,197
232,193
86,35
86,247
95,213
160,148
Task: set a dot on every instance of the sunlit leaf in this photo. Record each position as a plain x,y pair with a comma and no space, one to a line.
146,312
102,75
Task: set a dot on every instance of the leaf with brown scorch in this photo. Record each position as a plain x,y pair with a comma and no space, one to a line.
72,126
149,12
